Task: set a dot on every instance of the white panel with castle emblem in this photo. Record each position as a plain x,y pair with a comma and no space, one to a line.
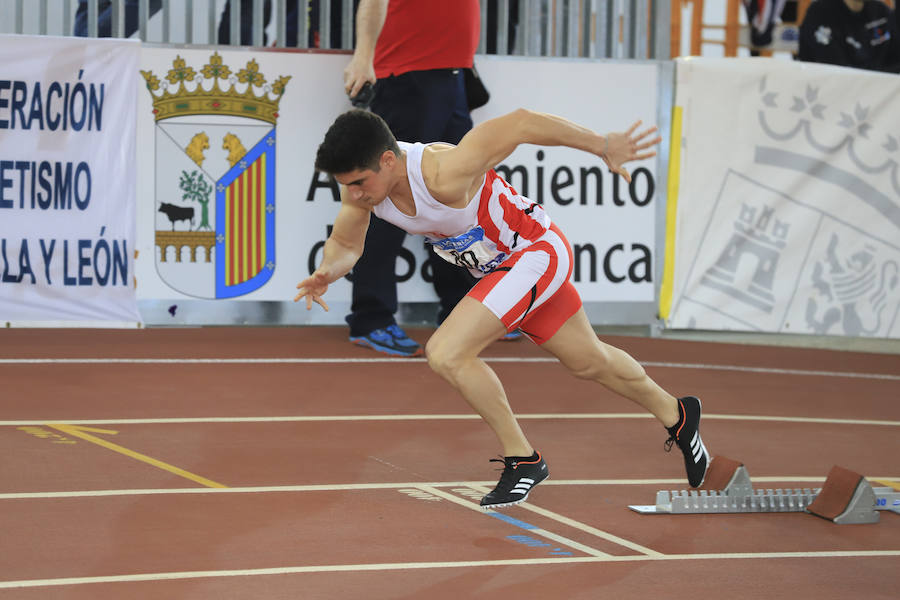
788,213
750,255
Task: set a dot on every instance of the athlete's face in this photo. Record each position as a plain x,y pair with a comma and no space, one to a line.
363,186
367,186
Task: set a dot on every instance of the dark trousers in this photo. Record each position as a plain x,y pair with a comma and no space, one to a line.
419,106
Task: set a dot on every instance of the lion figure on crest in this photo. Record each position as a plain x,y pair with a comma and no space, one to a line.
195,148
236,150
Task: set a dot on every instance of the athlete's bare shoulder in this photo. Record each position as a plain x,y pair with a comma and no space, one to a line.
444,186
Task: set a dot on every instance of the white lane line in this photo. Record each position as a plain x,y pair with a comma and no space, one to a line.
672,483
774,371
580,526
535,530
399,361
426,417
32,583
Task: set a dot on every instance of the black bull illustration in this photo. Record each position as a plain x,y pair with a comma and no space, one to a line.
177,213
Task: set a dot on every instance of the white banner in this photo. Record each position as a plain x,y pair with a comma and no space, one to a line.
788,213
213,121
67,195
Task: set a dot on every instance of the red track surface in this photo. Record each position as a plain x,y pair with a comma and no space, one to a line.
382,506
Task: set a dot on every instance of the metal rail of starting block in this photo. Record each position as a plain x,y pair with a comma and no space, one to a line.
860,504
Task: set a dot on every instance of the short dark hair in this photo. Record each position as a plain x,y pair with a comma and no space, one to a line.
356,140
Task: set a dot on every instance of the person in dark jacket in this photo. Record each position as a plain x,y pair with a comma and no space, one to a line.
850,33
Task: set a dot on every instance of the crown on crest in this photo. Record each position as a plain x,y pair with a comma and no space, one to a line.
200,99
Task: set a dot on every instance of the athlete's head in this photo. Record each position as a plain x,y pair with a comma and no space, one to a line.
356,140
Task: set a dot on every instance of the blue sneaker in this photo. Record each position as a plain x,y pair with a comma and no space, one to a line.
512,336
391,340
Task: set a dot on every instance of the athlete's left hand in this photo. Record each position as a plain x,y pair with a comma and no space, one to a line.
621,148
313,288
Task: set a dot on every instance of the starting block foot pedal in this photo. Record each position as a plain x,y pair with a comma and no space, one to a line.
846,498
727,475
727,484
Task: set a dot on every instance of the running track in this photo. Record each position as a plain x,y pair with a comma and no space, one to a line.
285,463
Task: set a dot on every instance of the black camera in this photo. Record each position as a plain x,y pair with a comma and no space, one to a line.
363,97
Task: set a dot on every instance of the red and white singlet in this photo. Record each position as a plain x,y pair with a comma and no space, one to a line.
502,237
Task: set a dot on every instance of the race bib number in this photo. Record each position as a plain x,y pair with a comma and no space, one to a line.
470,250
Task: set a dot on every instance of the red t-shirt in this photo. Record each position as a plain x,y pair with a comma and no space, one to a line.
427,34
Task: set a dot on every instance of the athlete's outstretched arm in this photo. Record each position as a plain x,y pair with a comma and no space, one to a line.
342,249
486,145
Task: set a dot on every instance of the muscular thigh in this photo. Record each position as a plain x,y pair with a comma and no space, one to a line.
466,332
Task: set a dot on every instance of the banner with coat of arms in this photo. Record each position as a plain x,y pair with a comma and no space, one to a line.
231,208
788,199
214,176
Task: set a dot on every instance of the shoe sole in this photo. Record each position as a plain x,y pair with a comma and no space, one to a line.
519,501
384,349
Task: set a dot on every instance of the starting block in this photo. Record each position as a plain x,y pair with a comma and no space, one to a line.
846,497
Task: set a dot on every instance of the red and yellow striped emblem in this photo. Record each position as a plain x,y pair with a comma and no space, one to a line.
245,220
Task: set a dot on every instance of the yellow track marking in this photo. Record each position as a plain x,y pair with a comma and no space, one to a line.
80,431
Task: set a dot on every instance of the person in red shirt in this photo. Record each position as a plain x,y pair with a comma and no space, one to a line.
414,52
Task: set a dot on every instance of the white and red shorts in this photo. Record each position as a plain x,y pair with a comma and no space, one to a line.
531,290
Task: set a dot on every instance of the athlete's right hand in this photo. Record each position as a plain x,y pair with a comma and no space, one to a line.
628,146
313,288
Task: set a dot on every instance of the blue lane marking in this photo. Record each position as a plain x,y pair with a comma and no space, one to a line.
512,521
527,540
533,543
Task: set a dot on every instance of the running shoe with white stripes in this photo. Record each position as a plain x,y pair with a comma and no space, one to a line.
686,434
519,476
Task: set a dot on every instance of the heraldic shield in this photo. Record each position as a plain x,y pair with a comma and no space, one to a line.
215,178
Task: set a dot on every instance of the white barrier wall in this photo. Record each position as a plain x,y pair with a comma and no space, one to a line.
67,196
788,208
230,207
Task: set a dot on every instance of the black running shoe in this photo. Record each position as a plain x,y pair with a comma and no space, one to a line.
686,433
519,476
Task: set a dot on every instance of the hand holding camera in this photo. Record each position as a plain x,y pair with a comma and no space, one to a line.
363,98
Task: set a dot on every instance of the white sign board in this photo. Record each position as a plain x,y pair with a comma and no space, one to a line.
67,180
